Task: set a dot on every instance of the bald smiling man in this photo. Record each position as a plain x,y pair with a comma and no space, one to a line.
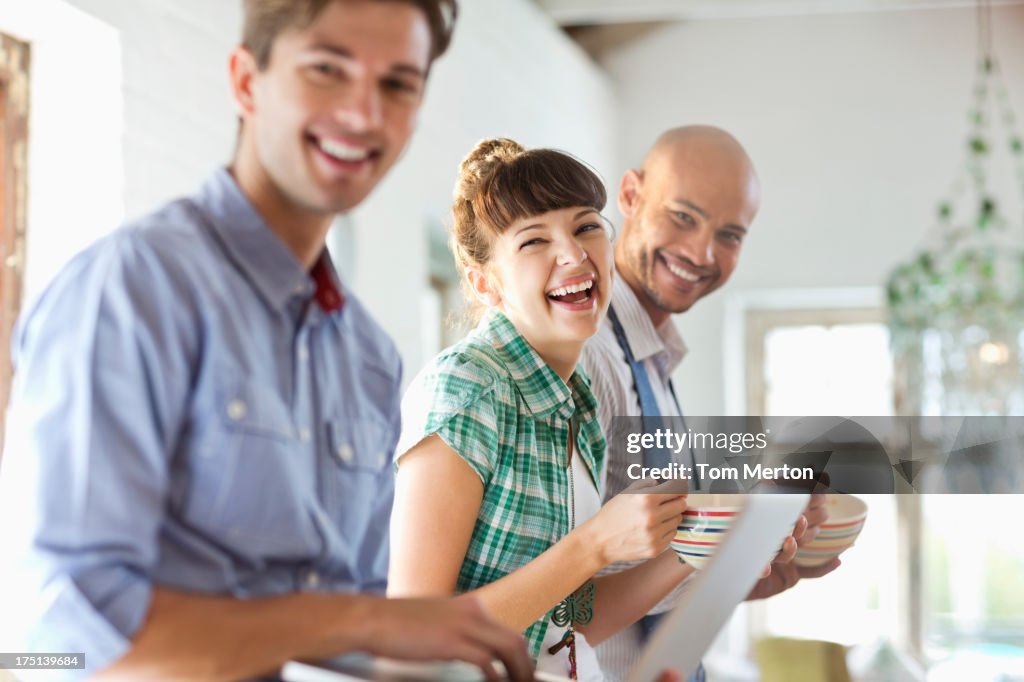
686,213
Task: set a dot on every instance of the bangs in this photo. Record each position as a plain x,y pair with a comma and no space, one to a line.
536,182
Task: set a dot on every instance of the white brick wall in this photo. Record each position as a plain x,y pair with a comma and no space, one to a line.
178,116
75,164
130,107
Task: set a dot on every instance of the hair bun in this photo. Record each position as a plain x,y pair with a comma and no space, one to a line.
496,148
480,163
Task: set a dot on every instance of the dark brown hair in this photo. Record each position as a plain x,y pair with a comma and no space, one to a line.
501,182
265,19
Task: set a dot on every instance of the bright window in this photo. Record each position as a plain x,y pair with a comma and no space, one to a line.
842,369
974,578
963,613
829,362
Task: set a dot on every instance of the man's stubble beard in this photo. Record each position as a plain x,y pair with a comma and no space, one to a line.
643,262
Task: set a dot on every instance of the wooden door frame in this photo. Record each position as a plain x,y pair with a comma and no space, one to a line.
14,111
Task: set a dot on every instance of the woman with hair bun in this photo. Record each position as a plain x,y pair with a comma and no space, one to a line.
501,455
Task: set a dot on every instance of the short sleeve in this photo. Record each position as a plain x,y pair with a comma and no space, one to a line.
456,398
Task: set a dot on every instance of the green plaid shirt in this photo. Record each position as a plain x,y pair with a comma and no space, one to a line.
496,403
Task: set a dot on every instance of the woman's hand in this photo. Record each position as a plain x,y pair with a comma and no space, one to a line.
635,524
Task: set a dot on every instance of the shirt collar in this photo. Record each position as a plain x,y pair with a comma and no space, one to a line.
543,391
645,340
266,262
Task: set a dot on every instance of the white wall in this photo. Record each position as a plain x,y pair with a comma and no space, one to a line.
179,119
857,124
129,108
75,176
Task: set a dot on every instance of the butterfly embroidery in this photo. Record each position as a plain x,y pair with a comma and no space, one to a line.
577,608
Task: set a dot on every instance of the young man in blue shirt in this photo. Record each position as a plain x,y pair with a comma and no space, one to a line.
203,417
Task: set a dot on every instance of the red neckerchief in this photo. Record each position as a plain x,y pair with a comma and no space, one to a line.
327,294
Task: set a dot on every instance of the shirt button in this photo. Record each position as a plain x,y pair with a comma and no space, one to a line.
304,435
345,453
382,460
236,409
303,354
313,580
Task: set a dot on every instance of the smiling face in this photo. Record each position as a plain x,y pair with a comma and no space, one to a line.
551,276
686,216
335,105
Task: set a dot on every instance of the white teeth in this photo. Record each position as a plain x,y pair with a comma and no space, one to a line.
342,151
679,272
572,288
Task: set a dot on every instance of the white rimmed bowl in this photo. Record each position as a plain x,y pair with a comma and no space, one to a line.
846,517
705,522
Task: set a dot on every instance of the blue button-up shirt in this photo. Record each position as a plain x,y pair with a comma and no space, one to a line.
185,415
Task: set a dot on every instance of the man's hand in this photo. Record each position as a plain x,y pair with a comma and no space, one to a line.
447,628
785,575
231,639
789,547
782,573
816,514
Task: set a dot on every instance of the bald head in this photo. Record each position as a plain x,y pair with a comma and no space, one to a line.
686,213
704,149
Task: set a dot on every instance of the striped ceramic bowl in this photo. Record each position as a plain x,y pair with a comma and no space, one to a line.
706,520
846,517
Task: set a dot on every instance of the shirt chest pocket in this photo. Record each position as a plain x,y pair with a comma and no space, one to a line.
359,444
358,481
249,407
251,482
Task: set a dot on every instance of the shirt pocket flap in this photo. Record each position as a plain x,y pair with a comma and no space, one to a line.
246,405
359,443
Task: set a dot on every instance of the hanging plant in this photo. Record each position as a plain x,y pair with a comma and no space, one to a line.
971,275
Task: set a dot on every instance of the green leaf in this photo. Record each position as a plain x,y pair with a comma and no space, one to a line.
926,261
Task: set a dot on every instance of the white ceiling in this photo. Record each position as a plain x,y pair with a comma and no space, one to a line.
591,12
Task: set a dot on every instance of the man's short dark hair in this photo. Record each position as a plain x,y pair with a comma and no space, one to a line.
266,19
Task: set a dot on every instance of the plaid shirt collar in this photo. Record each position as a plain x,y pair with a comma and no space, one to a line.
543,391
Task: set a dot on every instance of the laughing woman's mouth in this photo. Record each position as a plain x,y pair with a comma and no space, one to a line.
577,293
